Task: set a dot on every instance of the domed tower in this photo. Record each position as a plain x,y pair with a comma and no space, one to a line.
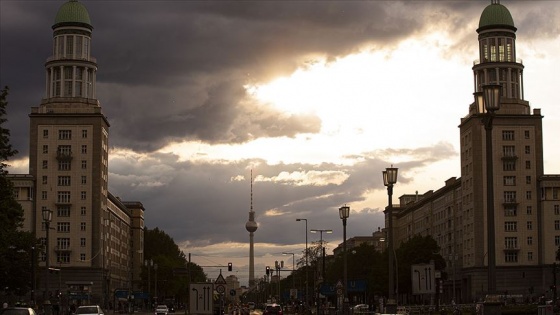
251,227
501,164
68,154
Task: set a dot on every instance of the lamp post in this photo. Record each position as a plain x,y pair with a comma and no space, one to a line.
155,284
306,265
487,103
293,268
47,218
149,263
104,273
344,213
390,179
322,276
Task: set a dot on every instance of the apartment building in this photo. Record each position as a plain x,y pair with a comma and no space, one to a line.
95,239
525,200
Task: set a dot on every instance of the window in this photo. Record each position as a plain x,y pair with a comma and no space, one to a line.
45,148
45,134
527,134
508,150
63,180
63,197
83,195
509,165
84,149
556,209
45,181
82,226
64,150
557,240
82,257
530,256
529,210
84,164
83,211
43,195
63,257
84,179
529,240
63,227
511,242
63,211
45,164
528,195
529,225
528,165
508,135
64,134
527,149
84,133
510,226
557,225
511,257
510,211
527,179
510,196
64,165
555,193
83,242
509,180
63,243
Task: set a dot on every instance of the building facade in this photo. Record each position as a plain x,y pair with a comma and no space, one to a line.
526,201
96,240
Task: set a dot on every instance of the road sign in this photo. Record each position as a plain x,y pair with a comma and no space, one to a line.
232,292
423,279
220,288
200,301
220,280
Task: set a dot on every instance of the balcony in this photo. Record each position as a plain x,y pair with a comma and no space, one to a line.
64,155
60,249
510,156
510,201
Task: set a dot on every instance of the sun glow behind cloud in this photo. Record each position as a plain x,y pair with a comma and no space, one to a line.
365,101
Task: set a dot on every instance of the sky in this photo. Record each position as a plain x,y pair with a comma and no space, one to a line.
313,98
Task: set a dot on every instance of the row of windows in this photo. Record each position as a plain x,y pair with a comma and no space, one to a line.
510,165
62,196
64,180
65,134
65,210
64,165
64,227
511,226
512,180
509,150
64,149
509,135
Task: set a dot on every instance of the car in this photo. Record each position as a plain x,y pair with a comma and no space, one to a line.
171,308
17,311
161,310
89,310
273,309
360,308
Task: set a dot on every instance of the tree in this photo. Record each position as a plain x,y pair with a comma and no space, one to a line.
162,250
15,245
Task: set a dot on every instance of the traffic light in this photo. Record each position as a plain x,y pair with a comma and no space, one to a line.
267,270
229,267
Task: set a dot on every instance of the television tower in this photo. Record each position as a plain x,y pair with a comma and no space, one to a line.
251,227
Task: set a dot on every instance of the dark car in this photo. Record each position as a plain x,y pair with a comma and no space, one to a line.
273,309
17,311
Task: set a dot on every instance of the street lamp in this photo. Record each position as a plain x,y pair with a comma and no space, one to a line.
390,179
149,263
155,285
487,103
344,213
322,276
47,218
306,264
293,268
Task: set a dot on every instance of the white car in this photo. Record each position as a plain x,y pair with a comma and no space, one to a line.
89,310
161,310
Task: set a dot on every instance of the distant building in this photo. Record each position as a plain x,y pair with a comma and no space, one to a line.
96,239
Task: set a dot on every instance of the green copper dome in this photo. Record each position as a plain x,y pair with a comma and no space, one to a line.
72,12
495,14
